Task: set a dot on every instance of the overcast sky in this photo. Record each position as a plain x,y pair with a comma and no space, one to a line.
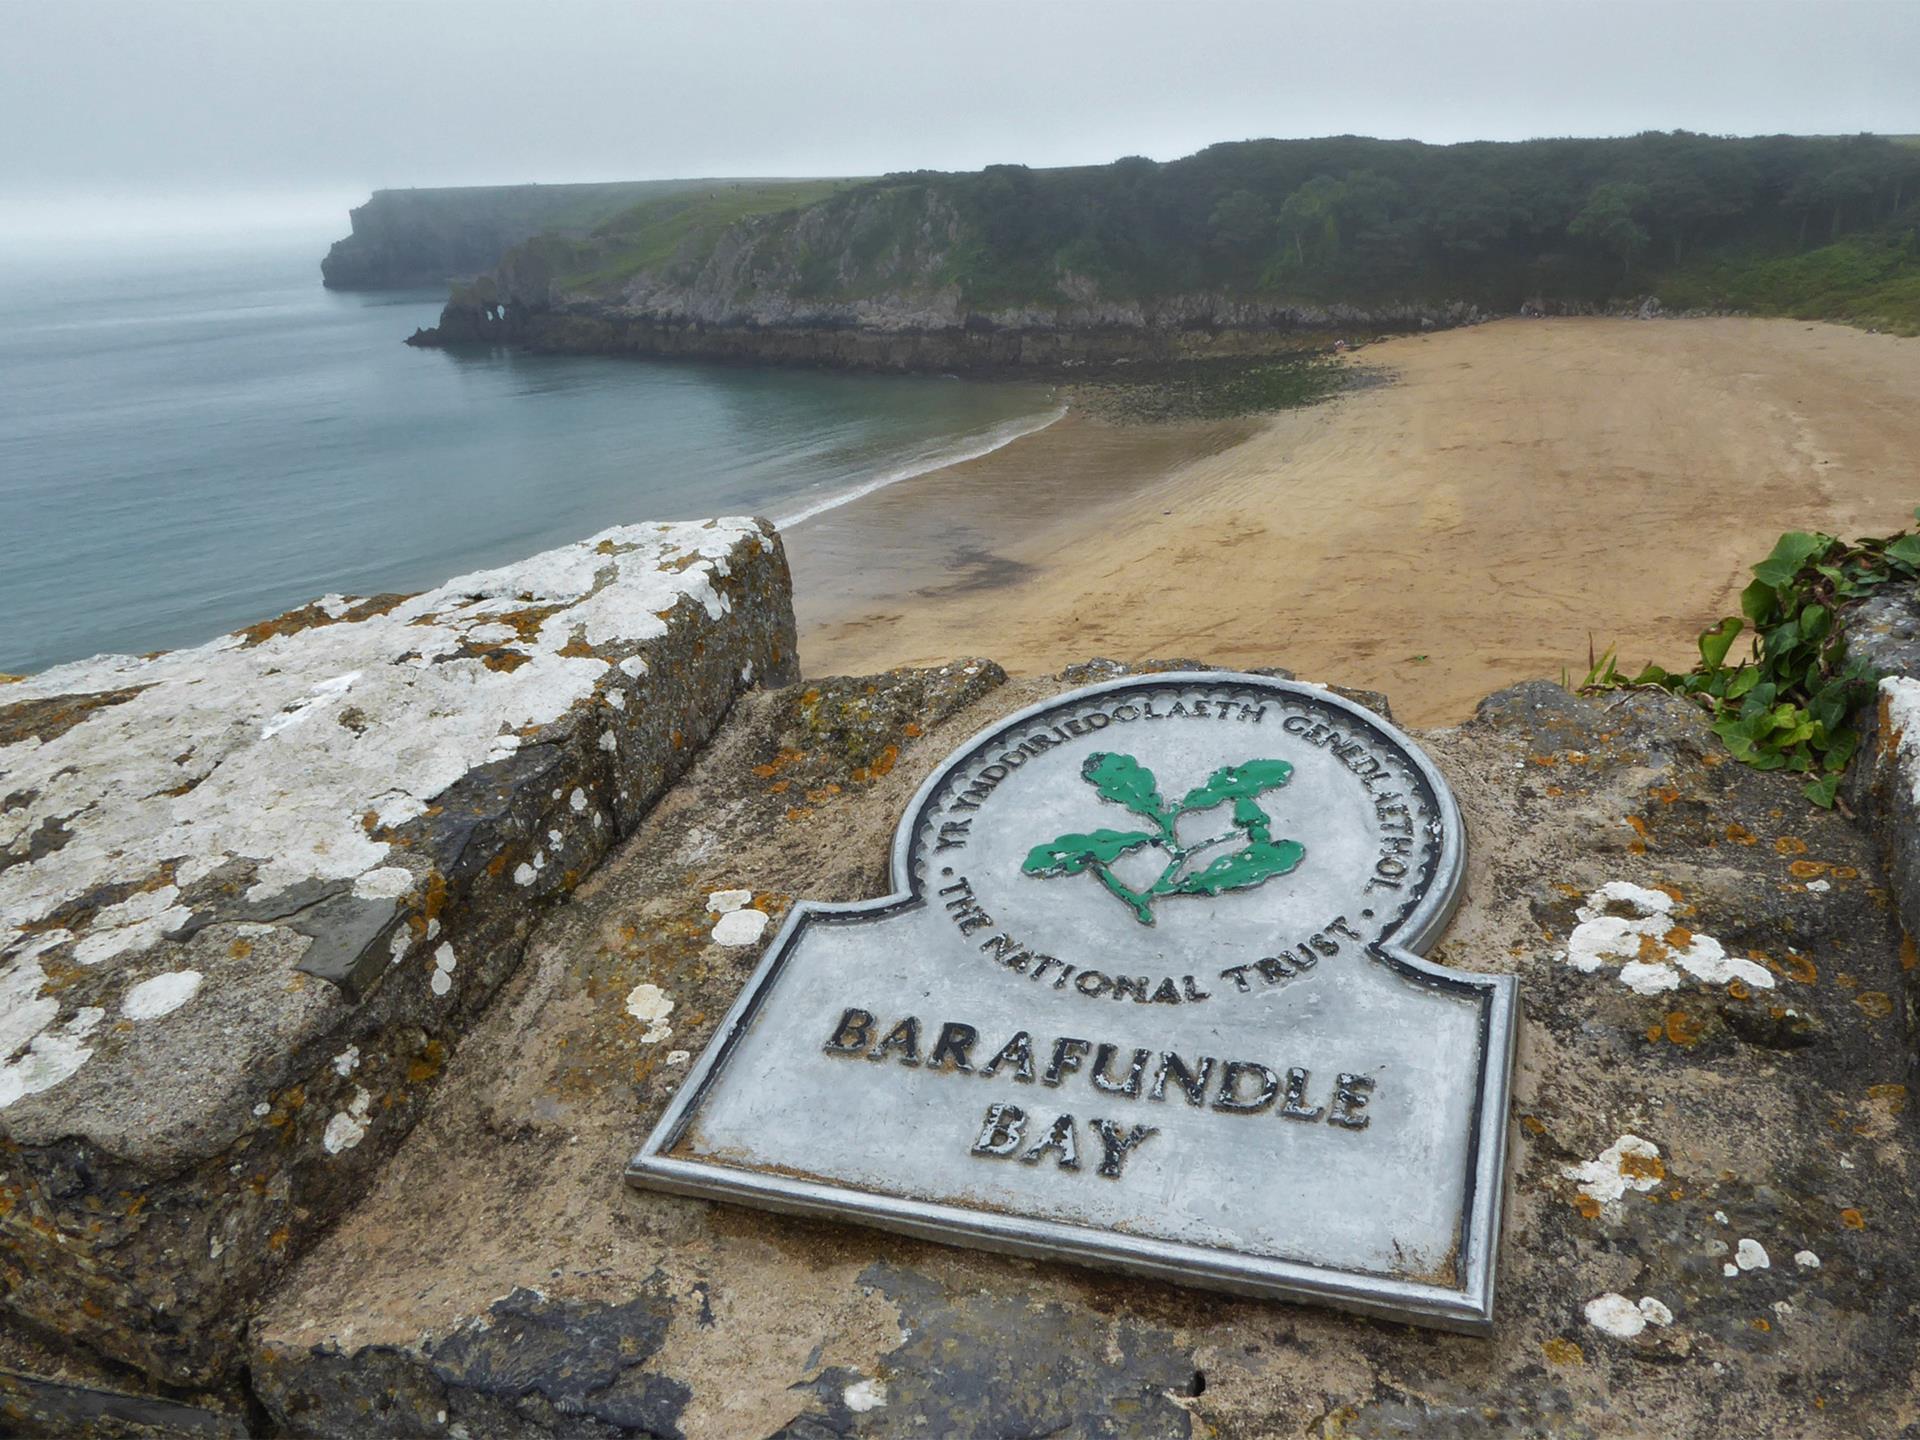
296,107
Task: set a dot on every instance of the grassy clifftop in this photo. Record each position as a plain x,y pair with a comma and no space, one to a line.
1789,224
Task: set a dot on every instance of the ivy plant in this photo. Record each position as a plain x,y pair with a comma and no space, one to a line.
1790,702
1124,781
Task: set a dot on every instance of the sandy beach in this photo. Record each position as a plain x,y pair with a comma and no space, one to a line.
1519,490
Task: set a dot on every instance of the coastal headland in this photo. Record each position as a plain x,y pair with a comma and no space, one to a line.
1516,492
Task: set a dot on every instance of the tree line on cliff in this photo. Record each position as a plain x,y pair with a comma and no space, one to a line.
1239,232
1360,220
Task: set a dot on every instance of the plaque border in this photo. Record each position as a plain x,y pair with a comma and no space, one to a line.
1466,1307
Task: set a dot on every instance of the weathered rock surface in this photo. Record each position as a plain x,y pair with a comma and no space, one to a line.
1712,1177
252,894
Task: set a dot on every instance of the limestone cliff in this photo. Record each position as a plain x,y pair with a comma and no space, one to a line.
405,238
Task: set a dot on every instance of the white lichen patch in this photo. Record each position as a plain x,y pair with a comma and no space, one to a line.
1614,1314
389,882
1751,1255
740,927
1656,1312
237,749
1630,1163
348,1127
1900,703
651,1006
443,962
161,994
1633,927
1806,1259
577,801
721,902
864,1395
50,1055
347,1061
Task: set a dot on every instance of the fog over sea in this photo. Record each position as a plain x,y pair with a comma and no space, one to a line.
195,436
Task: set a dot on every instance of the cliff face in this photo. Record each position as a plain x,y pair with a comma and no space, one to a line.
857,281
407,238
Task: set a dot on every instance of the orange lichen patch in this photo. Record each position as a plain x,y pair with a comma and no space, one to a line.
1672,892
310,617
1679,937
1713,760
576,648
1853,1219
1665,794
911,730
780,787
1533,1124
880,765
822,795
1650,950
1682,1029
1761,1326
1654,1032
1563,1352
1798,967
1875,1004
679,740
278,1240
1845,981
1891,1098
605,547
1545,761
240,949
48,719
1642,1167
798,812
778,763
1807,869
505,661
1909,956
1639,826
1740,835
1843,872
497,866
1588,1207
1554,791
525,623
1789,845
1570,890
427,1063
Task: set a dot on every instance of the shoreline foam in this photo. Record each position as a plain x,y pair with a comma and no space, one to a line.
997,437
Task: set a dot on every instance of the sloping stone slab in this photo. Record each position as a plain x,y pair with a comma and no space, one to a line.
1712,1174
251,895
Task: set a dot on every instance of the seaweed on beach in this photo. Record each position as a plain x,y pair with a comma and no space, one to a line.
1212,390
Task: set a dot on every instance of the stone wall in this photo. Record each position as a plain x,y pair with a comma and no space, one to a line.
1711,1185
252,895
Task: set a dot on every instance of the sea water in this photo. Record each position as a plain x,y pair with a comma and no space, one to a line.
196,437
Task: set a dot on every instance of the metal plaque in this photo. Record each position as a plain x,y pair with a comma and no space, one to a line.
1148,995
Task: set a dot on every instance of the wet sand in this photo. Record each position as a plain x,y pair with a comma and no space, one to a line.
1520,490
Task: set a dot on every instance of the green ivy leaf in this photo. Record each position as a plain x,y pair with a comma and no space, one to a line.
1125,781
1238,782
1757,602
1260,860
1822,791
1071,854
1906,550
1715,643
1790,552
